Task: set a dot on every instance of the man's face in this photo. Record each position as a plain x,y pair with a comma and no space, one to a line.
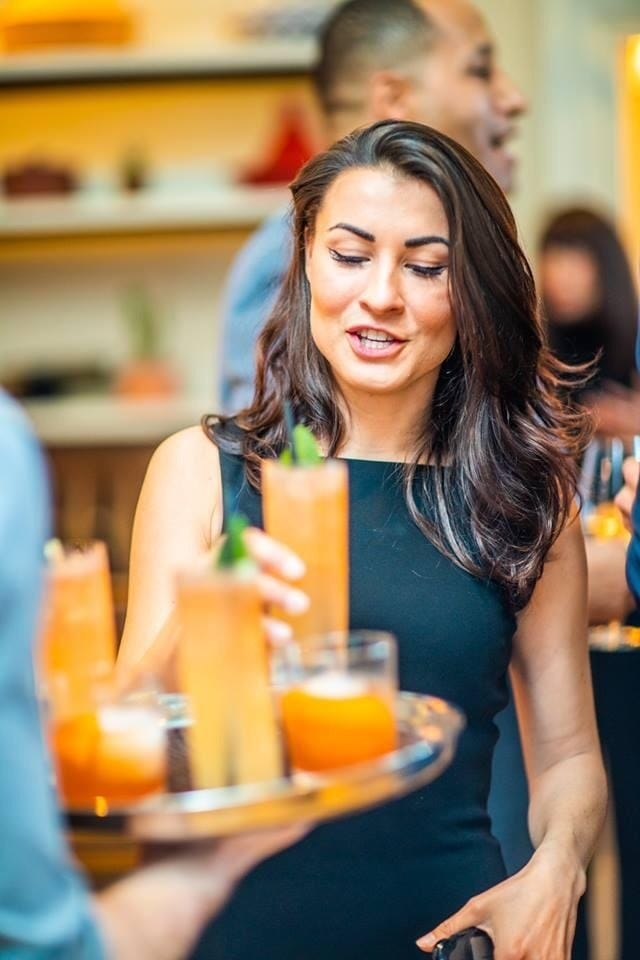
460,90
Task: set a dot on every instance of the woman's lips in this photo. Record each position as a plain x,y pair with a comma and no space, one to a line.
377,344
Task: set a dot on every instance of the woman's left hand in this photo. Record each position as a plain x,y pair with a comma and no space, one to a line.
528,916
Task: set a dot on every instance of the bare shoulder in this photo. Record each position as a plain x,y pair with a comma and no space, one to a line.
187,452
570,541
183,477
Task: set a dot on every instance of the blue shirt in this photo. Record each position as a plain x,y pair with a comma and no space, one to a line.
45,910
249,295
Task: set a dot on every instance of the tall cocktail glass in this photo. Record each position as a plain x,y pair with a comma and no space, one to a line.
79,642
233,736
306,508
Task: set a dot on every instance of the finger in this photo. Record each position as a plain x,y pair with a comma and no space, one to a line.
631,471
624,502
273,556
276,593
467,917
278,632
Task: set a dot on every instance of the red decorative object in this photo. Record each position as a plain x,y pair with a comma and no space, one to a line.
38,178
291,148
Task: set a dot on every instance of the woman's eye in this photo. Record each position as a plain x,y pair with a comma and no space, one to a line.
345,257
422,270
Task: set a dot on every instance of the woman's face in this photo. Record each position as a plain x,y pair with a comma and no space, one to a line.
569,283
377,266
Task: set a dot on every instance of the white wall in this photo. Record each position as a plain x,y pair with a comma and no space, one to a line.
565,54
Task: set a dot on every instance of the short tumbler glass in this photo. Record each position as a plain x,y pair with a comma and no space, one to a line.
337,698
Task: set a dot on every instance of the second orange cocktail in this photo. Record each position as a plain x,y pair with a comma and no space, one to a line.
223,670
79,639
306,508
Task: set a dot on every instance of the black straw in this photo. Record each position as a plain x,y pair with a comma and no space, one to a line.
289,423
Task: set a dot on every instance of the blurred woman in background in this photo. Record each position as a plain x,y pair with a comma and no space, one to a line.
591,308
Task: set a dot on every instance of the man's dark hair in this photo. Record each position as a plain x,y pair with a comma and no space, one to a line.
363,35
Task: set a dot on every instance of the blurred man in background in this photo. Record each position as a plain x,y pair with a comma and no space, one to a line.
428,60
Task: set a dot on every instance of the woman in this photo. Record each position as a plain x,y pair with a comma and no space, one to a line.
406,337
591,310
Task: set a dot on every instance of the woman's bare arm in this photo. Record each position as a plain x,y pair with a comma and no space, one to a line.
177,524
178,516
552,685
532,914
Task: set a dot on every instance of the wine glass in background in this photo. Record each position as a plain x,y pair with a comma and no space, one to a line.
601,478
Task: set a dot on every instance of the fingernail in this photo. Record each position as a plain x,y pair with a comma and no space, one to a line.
427,942
293,568
296,601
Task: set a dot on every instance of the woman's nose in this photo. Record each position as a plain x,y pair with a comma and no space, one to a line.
382,291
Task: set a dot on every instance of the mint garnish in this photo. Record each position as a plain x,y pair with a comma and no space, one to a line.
305,448
235,553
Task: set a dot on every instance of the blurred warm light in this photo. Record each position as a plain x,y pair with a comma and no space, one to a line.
629,141
634,55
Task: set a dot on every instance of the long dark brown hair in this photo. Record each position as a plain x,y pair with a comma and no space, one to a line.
502,444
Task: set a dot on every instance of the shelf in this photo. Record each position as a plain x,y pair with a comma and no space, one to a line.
147,211
252,58
108,421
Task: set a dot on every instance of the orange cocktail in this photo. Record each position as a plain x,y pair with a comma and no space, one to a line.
605,522
306,507
223,670
333,726
111,755
337,699
78,643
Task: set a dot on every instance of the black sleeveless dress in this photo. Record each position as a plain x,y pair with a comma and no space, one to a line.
369,885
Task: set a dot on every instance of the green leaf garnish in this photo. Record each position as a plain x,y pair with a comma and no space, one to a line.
306,452
234,554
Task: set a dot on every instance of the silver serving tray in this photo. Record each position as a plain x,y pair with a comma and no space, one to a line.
428,730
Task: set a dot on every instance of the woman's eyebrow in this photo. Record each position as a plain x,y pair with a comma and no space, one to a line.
363,234
423,241
412,242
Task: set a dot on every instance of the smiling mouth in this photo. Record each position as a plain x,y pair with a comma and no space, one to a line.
374,339
499,141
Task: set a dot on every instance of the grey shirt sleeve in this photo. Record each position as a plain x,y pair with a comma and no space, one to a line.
249,295
45,910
